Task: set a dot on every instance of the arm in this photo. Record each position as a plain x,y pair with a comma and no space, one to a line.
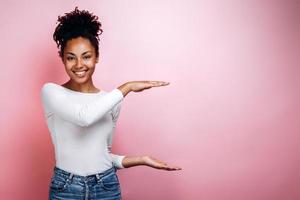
56,102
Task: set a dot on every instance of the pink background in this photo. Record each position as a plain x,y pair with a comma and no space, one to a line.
230,117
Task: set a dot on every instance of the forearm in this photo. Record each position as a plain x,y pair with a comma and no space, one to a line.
125,89
133,161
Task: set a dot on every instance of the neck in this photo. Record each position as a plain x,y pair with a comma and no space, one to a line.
81,87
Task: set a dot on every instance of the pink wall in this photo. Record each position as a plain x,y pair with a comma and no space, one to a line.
230,116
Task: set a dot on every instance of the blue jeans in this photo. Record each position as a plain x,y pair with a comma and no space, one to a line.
66,186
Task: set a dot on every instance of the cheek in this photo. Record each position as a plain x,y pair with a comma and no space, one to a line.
90,62
68,65
91,71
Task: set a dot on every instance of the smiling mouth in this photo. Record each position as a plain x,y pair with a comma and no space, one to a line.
80,73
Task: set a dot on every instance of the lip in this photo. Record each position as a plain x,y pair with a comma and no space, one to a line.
82,74
79,70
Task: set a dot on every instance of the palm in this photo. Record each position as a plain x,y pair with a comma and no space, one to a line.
158,164
138,86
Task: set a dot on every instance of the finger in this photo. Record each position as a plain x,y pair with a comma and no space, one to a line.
158,83
164,166
172,168
169,169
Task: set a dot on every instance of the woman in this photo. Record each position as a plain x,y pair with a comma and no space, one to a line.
81,118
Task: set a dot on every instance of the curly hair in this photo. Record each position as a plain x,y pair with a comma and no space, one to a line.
77,24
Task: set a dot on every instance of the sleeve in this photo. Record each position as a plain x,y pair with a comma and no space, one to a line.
117,159
56,101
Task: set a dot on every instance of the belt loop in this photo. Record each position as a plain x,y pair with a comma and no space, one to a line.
114,166
70,177
98,178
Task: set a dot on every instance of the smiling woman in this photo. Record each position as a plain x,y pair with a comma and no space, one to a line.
80,59
77,36
81,118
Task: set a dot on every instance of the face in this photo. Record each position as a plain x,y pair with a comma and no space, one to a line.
79,58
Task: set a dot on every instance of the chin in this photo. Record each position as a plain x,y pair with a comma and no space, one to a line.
80,80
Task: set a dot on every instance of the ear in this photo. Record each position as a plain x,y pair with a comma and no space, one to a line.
97,59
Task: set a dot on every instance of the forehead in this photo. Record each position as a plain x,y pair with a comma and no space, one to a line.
78,45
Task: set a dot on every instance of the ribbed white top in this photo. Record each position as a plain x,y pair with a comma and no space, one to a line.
81,126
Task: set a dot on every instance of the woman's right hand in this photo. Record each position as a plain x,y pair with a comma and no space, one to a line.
138,86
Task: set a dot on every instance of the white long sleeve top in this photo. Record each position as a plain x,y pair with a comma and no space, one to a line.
81,126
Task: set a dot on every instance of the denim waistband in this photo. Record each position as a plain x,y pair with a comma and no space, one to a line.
70,175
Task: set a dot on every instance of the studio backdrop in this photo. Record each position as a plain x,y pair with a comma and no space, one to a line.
230,116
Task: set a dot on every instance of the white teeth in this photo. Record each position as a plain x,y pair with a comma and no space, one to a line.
80,74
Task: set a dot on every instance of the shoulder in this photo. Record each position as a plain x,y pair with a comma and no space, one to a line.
49,85
50,88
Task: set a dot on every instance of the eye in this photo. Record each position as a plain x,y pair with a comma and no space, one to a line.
70,58
86,57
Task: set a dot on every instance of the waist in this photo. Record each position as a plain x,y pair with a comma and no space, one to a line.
83,164
69,175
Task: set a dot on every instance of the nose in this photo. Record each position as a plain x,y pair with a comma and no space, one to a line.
79,64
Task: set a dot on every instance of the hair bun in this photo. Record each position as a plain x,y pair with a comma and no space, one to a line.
76,23
81,21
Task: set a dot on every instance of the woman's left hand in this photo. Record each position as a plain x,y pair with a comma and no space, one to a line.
158,164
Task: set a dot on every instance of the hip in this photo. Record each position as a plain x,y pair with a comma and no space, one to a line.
66,185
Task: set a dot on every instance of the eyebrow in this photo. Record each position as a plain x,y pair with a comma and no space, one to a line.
75,55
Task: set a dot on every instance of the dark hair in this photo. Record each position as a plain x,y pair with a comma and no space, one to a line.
75,24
